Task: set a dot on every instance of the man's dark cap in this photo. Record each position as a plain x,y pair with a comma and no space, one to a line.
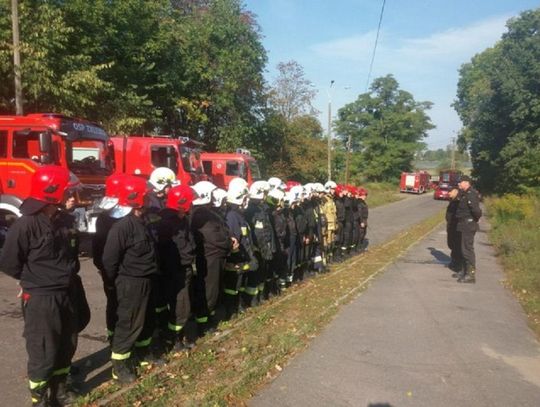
465,178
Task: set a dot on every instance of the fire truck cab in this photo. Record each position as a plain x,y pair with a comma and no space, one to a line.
141,155
27,142
223,167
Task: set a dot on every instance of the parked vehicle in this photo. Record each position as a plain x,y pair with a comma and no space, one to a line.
415,182
222,167
450,177
27,142
441,192
140,155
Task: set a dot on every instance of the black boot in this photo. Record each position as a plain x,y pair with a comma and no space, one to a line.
123,372
62,393
40,397
150,356
469,276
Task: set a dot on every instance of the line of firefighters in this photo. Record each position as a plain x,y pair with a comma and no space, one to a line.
169,255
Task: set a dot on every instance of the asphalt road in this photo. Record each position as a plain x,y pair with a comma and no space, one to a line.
415,337
92,355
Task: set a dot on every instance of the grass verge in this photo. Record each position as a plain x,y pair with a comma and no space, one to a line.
229,368
515,233
381,193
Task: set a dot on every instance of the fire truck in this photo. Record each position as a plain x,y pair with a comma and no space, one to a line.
449,177
223,167
415,182
27,142
140,155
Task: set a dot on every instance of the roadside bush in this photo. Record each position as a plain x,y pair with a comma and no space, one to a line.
516,235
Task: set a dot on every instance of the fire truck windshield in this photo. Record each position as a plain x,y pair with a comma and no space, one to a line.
255,171
88,157
191,159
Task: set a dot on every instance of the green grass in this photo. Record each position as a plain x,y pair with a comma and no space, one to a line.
229,368
516,235
381,193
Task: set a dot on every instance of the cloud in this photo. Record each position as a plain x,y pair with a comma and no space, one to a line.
455,44
354,48
426,66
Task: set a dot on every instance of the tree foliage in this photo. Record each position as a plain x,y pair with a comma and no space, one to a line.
183,67
386,126
498,100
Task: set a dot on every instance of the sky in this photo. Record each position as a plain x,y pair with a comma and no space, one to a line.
422,43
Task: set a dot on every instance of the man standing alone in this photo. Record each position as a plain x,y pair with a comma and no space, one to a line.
468,214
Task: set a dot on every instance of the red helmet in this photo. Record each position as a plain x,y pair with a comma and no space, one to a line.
362,191
132,191
180,197
50,182
113,184
290,184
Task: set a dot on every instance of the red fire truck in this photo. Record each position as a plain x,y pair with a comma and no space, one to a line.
27,142
415,182
449,177
222,167
140,155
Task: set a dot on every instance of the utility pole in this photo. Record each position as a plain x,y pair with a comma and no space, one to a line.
348,158
330,131
453,154
16,58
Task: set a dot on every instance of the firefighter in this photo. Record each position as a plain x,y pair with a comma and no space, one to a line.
317,249
341,248
329,210
241,262
212,245
261,283
176,249
161,180
468,213
364,214
130,260
104,222
40,253
453,237
301,223
279,222
290,203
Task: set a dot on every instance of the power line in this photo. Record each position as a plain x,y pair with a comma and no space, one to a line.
375,46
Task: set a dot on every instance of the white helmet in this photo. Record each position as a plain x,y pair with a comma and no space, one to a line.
308,190
318,187
161,178
258,189
204,190
237,192
218,196
238,182
297,191
291,197
276,183
276,194
330,185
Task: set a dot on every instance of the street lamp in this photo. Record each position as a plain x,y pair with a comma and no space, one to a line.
330,131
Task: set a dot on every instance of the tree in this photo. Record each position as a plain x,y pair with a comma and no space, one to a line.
292,93
498,101
386,126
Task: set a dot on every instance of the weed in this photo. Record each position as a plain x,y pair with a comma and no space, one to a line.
516,235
